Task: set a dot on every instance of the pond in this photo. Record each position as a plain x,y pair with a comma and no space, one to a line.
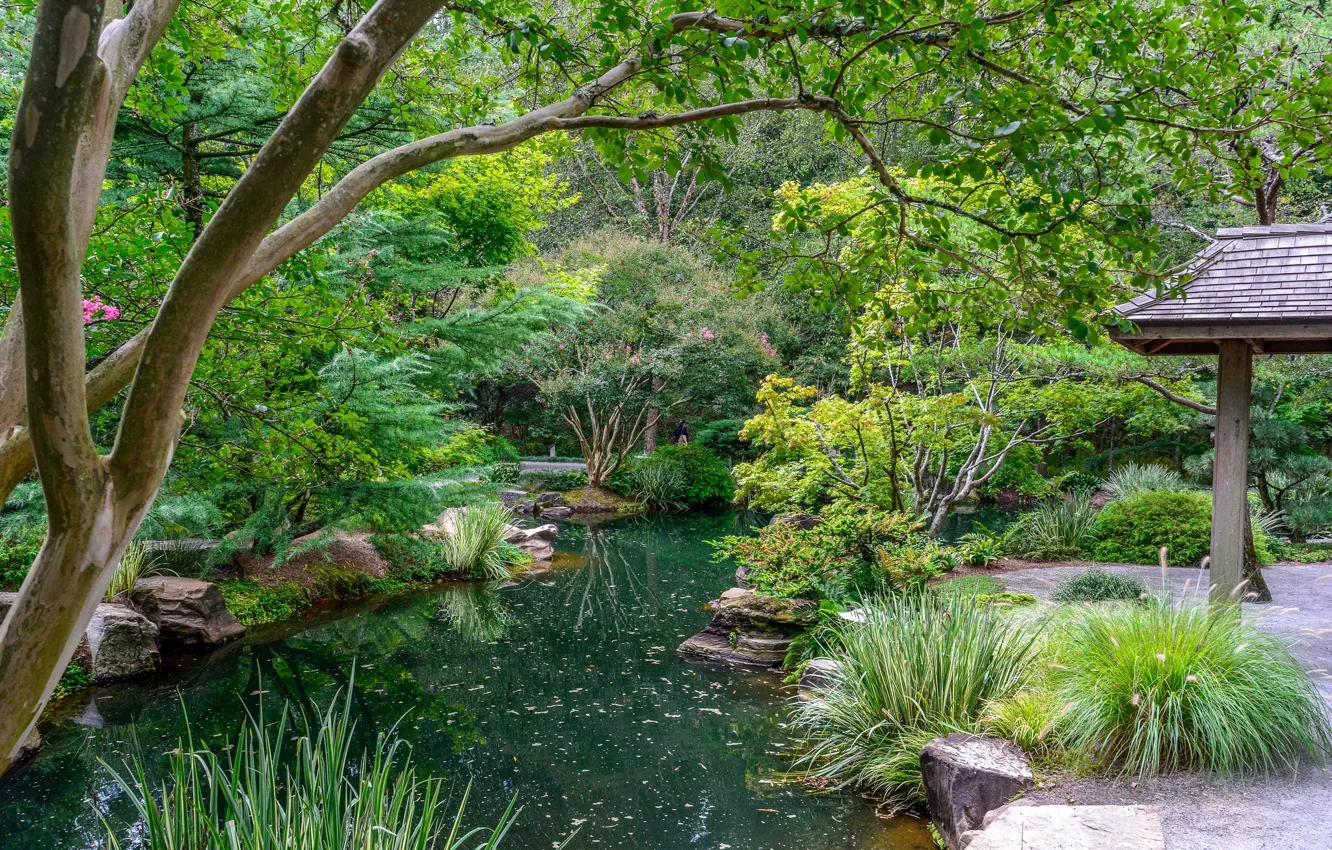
564,691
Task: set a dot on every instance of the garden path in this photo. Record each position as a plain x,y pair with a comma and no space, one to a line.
1290,812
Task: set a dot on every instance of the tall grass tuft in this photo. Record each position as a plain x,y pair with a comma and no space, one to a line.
314,796
476,545
919,666
1056,528
134,565
1161,687
659,486
1132,478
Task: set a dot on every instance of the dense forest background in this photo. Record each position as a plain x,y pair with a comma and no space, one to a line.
454,321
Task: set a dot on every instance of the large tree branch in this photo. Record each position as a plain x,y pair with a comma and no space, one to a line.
204,282
1175,397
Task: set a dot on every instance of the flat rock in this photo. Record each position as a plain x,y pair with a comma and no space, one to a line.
550,500
967,776
122,643
538,542
557,512
1065,827
188,612
512,497
750,630
735,592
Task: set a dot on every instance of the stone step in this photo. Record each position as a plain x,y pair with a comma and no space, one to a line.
1018,827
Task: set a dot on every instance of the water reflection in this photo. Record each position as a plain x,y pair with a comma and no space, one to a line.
564,689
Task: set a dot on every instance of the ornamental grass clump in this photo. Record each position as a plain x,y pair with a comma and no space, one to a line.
1162,687
1133,478
292,786
476,545
1054,529
1097,585
919,666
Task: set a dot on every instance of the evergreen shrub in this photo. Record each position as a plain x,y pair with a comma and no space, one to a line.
1133,529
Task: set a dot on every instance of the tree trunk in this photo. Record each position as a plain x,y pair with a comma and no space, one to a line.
1255,589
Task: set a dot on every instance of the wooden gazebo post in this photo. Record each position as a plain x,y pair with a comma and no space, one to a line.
1230,466
1257,290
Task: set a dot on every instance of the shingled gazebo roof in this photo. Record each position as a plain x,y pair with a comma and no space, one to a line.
1270,286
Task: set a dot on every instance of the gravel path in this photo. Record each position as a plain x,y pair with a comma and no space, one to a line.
1282,812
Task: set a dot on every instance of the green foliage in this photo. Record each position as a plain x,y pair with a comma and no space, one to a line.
1076,480
134,565
1132,530
1162,687
659,486
970,586
560,481
1006,599
503,473
294,785
255,604
850,554
1054,529
74,679
1029,718
920,665
413,557
22,530
981,548
18,547
1304,553
1097,585
1131,478
722,437
703,478
475,546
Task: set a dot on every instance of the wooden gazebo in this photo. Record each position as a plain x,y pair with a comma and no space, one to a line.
1257,290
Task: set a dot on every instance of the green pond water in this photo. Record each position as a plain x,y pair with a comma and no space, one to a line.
564,690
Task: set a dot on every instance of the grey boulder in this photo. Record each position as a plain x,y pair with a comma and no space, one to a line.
188,612
550,500
512,497
557,512
818,675
967,776
122,643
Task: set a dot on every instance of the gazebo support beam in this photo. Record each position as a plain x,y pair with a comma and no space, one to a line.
1230,469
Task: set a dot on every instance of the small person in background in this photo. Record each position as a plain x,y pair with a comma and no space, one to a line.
682,434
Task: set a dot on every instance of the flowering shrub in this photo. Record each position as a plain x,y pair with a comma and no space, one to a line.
93,307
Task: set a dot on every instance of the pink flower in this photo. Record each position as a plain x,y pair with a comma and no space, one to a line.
765,346
561,347
634,360
628,348
705,333
95,306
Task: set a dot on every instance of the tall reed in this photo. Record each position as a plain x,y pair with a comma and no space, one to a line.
290,786
919,666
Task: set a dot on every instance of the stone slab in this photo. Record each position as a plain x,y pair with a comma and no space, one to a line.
1072,828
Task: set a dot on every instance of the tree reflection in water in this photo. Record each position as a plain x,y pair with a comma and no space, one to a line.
475,612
